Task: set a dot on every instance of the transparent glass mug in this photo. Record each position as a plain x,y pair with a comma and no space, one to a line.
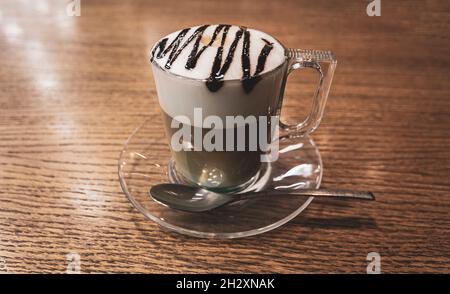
184,97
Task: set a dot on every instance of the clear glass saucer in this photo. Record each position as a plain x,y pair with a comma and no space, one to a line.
145,161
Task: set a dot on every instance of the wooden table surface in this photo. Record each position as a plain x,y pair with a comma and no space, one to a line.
73,88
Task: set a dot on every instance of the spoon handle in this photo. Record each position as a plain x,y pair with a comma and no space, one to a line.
333,193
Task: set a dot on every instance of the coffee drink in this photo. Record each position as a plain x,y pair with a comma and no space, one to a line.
225,71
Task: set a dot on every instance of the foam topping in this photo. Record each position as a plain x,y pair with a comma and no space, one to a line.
216,53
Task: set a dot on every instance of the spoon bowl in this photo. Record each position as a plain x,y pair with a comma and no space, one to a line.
188,198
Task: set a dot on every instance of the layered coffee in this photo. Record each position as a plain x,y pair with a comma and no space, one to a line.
225,71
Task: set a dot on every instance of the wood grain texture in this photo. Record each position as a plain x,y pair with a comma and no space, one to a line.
73,88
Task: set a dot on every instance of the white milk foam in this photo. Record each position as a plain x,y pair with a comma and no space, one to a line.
203,68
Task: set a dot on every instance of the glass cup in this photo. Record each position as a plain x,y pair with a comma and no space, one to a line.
190,111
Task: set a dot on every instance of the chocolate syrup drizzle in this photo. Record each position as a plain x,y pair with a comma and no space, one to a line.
194,55
218,71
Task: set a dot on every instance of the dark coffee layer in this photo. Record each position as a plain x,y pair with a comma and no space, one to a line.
213,169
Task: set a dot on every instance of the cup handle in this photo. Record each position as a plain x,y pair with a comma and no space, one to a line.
324,62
